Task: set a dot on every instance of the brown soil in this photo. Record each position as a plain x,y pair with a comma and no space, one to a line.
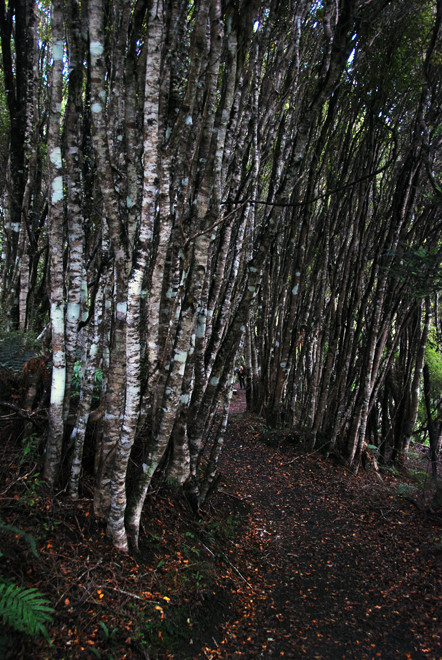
293,557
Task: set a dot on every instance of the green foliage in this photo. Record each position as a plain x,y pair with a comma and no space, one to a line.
76,382
172,483
16,346
420,476
76,377
25,610
107,634
400,40
51,526
30,448
391,469
433,358
189,550
29,458
24,339
4,527
98,379
225,530
405,490
33,487
420,268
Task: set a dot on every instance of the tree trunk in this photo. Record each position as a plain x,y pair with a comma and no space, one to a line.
431,426
56,248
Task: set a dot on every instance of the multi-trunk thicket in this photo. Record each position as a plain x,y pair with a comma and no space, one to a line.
345,301
191,180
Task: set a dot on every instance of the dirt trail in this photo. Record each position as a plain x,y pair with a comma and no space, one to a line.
334,566
293,557
238,402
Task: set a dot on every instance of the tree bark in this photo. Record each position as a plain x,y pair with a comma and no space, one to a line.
54,443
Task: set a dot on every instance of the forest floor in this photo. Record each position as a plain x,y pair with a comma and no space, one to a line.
292,557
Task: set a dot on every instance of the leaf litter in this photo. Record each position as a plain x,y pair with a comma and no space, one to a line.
292,557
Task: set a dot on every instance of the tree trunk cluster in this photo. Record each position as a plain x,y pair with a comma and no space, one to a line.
191,183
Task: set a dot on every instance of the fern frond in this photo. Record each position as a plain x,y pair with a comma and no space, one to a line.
404,490
25,610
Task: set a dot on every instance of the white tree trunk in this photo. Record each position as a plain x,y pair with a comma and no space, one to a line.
56,247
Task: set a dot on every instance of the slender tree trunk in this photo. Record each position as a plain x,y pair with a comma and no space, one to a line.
115,394
56,248
116,524
431,426
92,354
413,403
212,464
74,194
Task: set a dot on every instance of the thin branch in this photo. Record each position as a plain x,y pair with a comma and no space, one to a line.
328,193
227,560
217,222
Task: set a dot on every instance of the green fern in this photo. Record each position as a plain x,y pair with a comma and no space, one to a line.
405,490
420,476
25,610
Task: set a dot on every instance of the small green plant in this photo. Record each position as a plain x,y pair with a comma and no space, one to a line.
172,483
98,384
30,449
51,526
76,382
32,489
223,530
98,378
198,579
405,490
228,529
25,610
4,527
108,635
171,632
392,469
420,476
188,550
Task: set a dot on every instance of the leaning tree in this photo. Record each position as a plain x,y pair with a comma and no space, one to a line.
336,341
173,120
199,178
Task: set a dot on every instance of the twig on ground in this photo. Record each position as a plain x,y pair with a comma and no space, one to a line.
227,560
126,593
88,570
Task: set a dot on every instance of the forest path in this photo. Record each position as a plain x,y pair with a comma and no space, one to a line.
333,565
238,401
293,557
